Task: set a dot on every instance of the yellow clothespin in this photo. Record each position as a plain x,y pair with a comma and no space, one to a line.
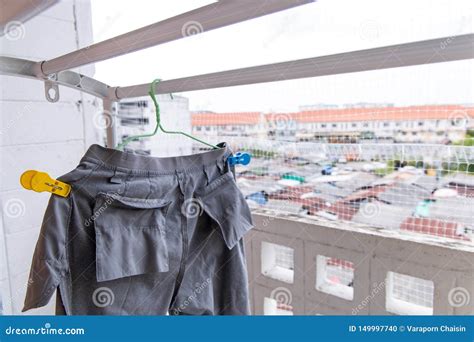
41,181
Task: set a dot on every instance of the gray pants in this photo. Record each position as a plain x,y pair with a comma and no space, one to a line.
144,236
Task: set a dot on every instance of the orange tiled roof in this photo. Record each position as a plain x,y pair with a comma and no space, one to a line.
215,119
339,115
388,113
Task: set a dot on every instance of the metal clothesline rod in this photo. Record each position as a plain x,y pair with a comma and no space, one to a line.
445,49
439,50
210,17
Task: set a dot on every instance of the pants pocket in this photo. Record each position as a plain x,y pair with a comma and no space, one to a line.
130,236
225,204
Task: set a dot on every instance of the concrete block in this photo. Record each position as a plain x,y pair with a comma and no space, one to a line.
32,91
5,299
42,38
297,245
285,296
360,283
445,284
22,209
40,122
316,309
53,158
312,231
461,297
20,248
423,253
442,279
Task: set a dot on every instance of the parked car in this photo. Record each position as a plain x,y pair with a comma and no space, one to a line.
327,170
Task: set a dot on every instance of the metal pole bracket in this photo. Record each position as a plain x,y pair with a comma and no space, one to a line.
51,89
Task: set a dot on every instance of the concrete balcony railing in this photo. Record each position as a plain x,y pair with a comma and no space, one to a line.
302,267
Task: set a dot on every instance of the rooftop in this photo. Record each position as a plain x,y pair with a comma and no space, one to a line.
429,112
404,199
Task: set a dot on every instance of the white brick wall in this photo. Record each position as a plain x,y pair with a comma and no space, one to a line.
36,134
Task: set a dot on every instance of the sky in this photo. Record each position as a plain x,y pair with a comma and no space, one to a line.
317,29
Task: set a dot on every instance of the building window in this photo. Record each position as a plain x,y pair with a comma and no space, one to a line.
354,125
458,122
334,125
134,121
420,123
386,124
134,104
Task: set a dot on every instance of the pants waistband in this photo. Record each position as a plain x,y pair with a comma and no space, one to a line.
144,164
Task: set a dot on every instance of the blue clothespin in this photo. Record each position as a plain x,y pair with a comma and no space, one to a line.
242,158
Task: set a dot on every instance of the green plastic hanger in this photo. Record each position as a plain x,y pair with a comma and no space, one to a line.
158,124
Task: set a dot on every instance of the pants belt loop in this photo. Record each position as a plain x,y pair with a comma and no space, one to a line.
206,174
179,177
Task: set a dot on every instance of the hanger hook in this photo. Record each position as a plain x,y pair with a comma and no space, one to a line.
152,92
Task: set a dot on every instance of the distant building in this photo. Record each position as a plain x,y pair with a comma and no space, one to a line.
229,124
367,105
318,106
354,123
428,124
137,116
